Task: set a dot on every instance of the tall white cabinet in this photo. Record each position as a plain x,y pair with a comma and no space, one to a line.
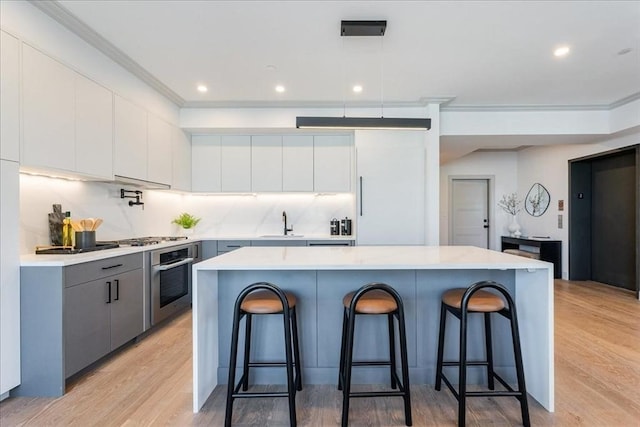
9,212
390,187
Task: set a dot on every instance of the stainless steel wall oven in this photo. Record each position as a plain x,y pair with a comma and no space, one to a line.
170,281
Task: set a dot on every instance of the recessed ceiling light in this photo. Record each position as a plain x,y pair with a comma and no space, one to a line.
357,88
625,51
279,88
271,67
561,51
202,88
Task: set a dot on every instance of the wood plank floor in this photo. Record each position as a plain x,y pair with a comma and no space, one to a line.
149,382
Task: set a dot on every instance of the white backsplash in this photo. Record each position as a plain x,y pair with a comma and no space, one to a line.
222,215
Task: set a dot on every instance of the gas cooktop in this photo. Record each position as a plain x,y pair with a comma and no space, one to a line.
145,241
69,250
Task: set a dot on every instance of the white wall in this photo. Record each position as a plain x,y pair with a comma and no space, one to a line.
222,215
37,29
502,166
549,166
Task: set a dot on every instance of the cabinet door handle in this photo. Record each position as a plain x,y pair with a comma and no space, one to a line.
109,291
197,251
112,266
361,196
117,282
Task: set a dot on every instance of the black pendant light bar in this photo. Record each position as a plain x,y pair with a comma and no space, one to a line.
363,28
363,123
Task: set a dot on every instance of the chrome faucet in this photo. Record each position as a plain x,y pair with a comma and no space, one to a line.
284,218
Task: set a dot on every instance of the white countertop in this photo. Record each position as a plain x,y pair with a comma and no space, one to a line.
33,260
368,258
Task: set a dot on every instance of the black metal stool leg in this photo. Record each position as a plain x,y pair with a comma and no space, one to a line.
296,348
348,362
515,336
247,352
291,386
489,350
392,351
405,368
462,388
443,318
342,349
231,383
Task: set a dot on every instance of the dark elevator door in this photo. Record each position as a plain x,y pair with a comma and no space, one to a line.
614,220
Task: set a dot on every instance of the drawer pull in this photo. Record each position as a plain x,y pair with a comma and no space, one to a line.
112,266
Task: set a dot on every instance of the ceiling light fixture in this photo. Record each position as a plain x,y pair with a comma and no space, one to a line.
561,51
202,89
357,88
364,28
280,89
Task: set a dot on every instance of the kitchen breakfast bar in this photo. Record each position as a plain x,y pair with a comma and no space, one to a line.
321,276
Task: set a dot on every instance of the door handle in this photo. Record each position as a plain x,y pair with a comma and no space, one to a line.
360,196
109,292
117,282
486,223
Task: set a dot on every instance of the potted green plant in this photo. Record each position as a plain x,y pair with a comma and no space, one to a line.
186,221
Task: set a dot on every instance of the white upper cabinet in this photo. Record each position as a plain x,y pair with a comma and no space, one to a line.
266,163
94,128
297,163
9,97
130,140
235,167
205,163
159,164
181,160
48,112
332,163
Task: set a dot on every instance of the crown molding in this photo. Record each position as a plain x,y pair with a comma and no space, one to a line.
625,100
422,102
507,108
64,17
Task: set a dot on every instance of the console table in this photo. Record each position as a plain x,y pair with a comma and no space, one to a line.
549,250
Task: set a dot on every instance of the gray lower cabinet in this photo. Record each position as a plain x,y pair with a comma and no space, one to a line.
100,316
72,316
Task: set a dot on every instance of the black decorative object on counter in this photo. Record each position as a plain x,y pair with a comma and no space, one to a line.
55,225
345,227
335,227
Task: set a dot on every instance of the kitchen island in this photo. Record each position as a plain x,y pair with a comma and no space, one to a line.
320,276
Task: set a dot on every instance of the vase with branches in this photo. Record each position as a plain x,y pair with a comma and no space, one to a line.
512,205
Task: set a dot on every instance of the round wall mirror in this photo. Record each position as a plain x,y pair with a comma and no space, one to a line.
537,200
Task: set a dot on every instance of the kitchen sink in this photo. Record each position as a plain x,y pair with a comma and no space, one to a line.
281,235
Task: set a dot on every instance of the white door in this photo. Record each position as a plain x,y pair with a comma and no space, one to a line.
470,212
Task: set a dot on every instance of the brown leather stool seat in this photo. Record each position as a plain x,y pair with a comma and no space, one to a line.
373,302
263,298
374,299
461,303
265,302
481,301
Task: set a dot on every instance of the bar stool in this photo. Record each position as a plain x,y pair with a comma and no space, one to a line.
461,302
374,299
257,299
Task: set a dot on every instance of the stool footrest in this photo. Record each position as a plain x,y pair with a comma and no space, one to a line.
260,394
376,393
472,363
372,363
493,393
266,364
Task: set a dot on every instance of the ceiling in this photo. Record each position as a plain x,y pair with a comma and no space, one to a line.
462,53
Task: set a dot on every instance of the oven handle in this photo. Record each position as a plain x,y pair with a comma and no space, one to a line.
165,267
